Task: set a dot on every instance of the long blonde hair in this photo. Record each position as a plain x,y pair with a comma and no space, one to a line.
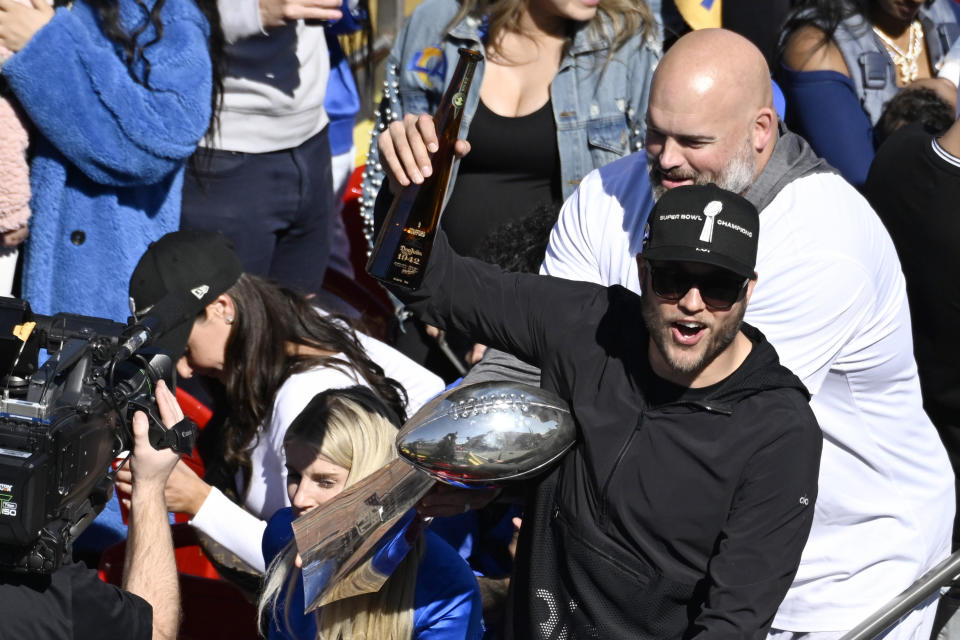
355,430
616,20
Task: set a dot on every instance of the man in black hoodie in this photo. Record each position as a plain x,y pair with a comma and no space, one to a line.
685,505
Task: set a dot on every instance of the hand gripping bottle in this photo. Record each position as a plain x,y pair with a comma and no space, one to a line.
403,245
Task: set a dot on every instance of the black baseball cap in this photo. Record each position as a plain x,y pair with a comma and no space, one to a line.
704,223
182,272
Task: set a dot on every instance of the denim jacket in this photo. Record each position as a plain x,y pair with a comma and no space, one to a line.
599,104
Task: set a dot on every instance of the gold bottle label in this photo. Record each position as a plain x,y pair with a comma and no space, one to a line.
403,247
411,255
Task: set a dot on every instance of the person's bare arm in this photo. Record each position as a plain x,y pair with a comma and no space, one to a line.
151,569
807,51
244,18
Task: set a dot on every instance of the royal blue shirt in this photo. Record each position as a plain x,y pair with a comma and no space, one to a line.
823,107
446,599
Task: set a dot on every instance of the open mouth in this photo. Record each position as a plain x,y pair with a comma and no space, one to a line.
671,180
687,333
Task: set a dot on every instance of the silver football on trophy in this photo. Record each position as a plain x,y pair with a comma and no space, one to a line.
488,433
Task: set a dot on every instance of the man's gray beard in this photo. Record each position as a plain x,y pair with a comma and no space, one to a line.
736,177
739,174
657,188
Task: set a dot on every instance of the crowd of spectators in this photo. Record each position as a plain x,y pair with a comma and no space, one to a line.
762,370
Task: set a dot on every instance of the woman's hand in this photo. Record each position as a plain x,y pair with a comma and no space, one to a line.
276,13
405,149
185,491
18,22
15,237
443,501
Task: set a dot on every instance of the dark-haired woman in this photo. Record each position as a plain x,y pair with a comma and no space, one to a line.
843,60
266,352
119,93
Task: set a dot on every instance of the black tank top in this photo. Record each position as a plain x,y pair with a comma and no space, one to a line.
512,169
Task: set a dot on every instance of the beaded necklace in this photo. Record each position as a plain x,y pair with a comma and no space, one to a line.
905,61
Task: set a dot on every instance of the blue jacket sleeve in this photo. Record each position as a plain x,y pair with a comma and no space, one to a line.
822,106
447,598
76,89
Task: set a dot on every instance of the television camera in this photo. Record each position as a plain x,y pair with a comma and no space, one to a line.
62,424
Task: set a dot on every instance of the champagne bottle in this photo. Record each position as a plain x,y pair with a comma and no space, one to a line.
403,245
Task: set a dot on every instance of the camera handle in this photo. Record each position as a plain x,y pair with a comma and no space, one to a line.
181,437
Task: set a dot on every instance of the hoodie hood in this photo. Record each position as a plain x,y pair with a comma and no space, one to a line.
761,371
792,158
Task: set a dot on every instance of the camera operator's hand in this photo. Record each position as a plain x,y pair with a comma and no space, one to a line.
184,492
151,569
150,468
149,465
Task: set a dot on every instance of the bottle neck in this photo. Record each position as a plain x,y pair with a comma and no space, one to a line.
450,112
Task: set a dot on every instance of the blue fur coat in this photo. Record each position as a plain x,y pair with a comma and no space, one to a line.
109,154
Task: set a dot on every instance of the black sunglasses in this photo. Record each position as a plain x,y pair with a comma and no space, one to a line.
719,289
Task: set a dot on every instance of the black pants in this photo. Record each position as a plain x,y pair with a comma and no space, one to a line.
276,208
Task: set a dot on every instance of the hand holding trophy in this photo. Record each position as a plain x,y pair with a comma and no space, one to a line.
475,437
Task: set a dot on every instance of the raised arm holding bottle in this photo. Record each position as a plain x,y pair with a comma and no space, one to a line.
562,90
406,237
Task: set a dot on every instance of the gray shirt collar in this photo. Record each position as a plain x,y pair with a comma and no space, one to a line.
792,158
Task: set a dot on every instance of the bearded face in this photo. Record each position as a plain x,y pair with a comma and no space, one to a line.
736,175
688,334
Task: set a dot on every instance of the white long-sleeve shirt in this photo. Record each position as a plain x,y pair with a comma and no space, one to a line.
240,529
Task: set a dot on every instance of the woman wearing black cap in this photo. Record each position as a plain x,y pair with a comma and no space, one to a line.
266,351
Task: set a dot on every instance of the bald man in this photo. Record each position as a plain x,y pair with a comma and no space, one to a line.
830,298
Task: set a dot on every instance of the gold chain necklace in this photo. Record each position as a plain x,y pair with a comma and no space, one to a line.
905,61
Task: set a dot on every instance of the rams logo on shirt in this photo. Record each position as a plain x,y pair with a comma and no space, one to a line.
430,66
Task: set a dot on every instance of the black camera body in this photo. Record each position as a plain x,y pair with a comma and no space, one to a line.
62,424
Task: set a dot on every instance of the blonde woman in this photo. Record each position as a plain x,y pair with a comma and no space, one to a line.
340,437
